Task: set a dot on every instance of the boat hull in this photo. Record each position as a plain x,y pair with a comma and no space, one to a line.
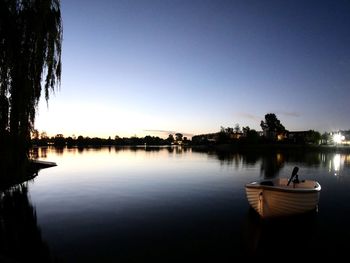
271,201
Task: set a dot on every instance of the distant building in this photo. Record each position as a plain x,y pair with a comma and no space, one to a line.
281,136
302,137
236,135
275,135
341,137
205,138
346,135
298,136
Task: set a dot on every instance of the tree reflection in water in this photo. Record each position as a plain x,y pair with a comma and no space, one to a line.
271,164
20,237
273,161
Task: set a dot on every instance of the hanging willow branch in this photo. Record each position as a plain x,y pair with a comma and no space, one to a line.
30,60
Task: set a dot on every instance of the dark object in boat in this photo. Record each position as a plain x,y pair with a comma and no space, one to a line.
294,174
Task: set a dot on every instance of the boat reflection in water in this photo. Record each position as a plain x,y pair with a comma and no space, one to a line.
290,237
20,236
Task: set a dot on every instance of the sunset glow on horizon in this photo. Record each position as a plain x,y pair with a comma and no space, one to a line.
157,67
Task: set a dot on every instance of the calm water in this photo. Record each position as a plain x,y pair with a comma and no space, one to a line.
170,204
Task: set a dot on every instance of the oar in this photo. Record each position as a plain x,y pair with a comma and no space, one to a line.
295,171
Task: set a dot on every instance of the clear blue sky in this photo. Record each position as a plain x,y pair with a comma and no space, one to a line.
138,67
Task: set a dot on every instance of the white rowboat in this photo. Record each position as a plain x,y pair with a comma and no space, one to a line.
280,197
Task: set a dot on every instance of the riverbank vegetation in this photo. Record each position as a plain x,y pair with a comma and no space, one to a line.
273,135
30,64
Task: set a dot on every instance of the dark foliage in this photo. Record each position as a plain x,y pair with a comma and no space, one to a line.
30,61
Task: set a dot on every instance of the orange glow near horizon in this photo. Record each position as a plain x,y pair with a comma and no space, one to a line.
92,120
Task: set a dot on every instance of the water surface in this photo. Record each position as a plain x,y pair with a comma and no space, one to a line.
171,204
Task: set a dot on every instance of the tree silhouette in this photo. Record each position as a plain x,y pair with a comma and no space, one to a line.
170,139
30,60
178,137
271,126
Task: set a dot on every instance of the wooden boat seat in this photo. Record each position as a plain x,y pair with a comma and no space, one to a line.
269,183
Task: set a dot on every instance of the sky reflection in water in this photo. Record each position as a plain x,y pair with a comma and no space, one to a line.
156,203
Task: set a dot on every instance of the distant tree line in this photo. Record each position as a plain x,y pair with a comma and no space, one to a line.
272,132
60,141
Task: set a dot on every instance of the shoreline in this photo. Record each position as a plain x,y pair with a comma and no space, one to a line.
224,147
273,147
31,171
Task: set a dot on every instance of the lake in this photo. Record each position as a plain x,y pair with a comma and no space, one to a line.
169,204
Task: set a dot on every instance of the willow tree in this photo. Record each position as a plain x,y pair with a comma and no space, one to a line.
30,64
